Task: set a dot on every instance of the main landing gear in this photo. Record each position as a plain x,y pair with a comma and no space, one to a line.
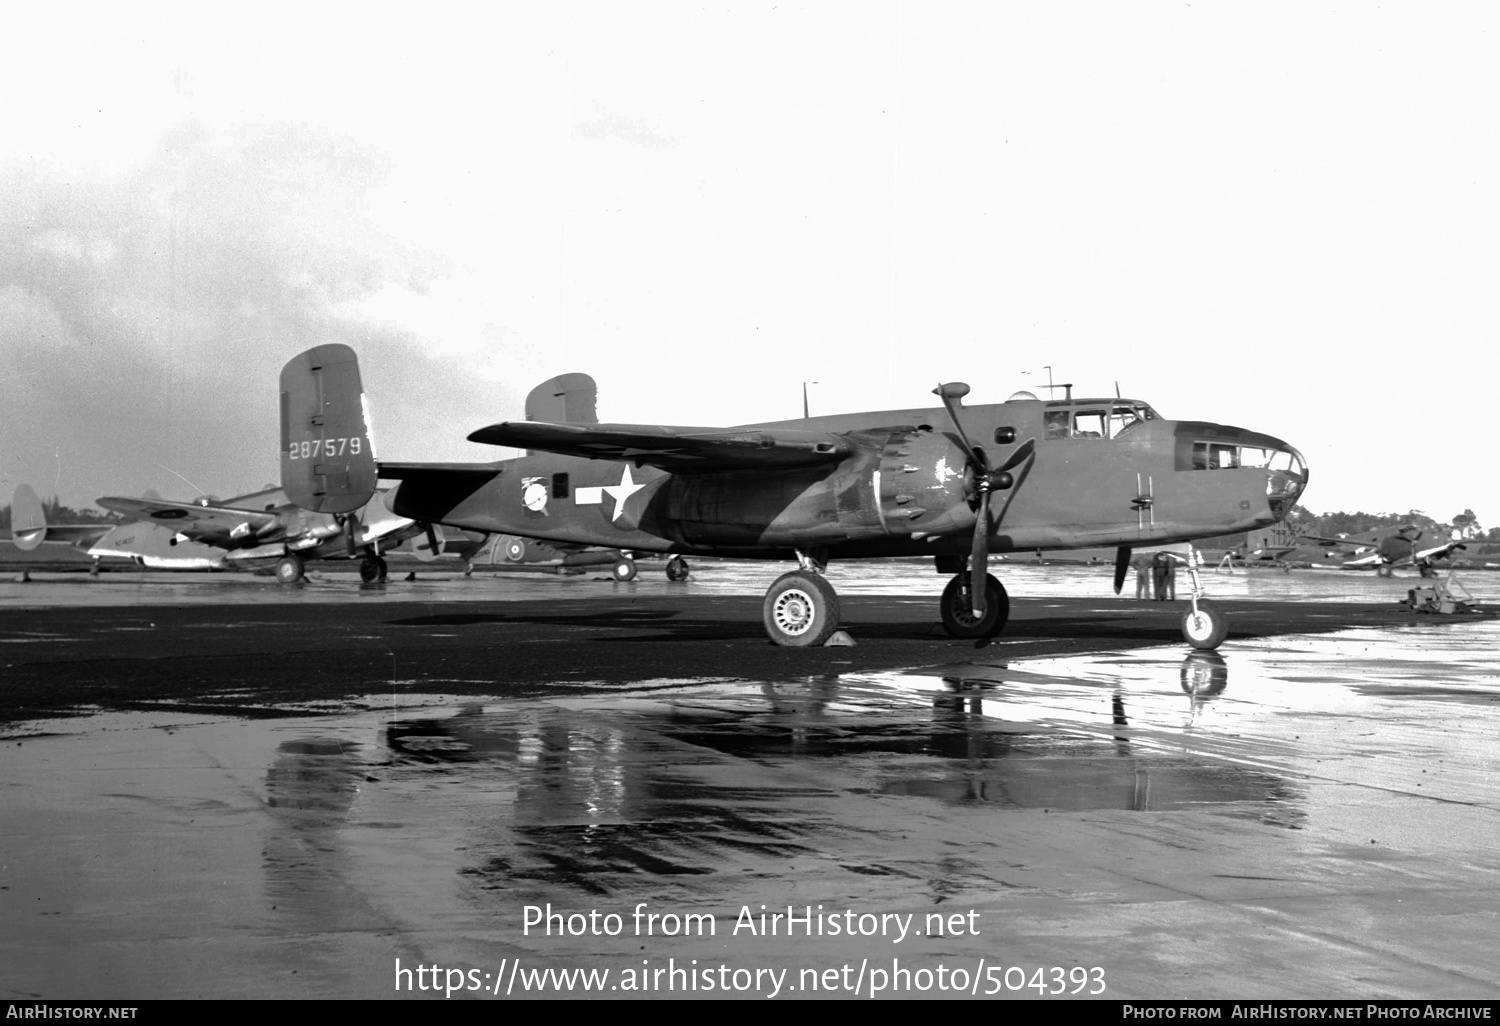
958,613
801,610
373,568
677,569
289,568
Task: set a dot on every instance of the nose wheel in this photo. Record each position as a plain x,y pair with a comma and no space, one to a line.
624,570
677,569
1204,625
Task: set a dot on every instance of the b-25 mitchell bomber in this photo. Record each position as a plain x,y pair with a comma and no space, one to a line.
955,483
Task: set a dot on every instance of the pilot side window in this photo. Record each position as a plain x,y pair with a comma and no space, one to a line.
1057,423
1089,424
559,486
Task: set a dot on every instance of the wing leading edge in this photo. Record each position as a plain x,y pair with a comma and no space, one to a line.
682,450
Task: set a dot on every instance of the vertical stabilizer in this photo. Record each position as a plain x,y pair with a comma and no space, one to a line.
327,458
565,399
28,524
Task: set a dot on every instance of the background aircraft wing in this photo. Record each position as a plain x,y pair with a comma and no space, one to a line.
678,449
212,525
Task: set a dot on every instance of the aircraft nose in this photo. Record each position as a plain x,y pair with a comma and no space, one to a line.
1288,481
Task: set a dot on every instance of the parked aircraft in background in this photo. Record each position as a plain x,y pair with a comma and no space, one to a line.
952,483
1386,548
513,552
145,544
264,527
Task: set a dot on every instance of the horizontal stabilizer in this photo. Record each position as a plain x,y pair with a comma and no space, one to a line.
678,449
327,458
29,527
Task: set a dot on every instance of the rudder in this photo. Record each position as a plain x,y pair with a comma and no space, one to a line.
28,524
327,456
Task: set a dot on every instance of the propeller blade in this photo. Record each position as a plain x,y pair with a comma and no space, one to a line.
1021,455
951,393
1015,486
1122,566
979,556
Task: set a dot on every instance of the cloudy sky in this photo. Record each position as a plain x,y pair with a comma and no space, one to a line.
1281,216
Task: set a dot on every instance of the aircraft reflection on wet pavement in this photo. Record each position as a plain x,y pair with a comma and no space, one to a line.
731,774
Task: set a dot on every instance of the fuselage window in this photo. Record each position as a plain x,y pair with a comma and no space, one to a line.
1211,456
559,486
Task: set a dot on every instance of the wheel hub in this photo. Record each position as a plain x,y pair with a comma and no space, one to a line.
793,611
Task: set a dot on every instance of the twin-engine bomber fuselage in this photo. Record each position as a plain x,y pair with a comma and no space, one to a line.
952,482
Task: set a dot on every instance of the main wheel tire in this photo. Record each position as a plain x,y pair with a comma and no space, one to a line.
958,617
369,571
624,570
801,610
289,568
677,569
1383,571
1207,628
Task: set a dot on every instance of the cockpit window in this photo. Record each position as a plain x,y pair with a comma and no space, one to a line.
1110,422
1123,418
1089,424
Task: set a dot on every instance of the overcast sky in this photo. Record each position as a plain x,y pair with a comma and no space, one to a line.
1280,216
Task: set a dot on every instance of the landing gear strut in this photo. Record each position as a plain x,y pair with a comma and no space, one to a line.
1203,625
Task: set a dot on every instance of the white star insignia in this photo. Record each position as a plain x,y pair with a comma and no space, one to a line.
622,491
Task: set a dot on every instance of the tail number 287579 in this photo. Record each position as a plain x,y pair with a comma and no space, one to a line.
316,448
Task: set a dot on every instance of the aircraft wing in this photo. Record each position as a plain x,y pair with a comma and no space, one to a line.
212,525
1436,552
678,449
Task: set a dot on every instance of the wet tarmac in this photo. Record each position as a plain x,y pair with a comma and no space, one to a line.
225,796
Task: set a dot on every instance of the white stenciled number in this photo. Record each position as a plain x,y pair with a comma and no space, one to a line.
325,447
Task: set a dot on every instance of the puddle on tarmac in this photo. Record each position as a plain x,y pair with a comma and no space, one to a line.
736,777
